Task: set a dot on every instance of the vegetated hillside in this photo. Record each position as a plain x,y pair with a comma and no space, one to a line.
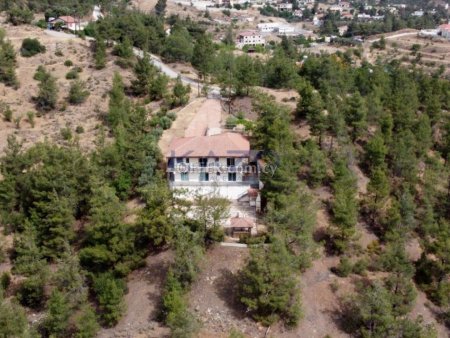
428,54
61,57
364,189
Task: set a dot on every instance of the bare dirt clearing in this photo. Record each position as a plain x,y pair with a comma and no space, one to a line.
212,297
87,115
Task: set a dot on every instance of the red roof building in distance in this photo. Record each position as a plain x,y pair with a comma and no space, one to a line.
67,19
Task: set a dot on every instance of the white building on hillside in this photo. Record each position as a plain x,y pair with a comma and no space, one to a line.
268,27
212,165
250,38
284,7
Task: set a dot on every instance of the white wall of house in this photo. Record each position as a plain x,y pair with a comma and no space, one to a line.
223,180
229,192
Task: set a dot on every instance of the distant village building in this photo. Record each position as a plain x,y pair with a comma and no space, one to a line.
363,16
316,21
268,27
75,24
284,7
250,38
66,22
286,30
345,4
335,8
342,30
298,13
418,13
347,16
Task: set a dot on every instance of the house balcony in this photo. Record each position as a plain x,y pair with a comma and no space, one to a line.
175,184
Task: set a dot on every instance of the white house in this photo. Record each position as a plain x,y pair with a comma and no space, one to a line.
268,27
67,22
250,38
286,30
284,7
219,164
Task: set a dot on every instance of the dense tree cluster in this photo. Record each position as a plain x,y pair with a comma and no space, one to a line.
55,199
7,62
393,123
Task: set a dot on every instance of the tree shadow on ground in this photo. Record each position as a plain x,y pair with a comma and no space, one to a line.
226,287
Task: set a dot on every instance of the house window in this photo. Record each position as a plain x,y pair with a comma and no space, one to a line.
179,160
187,160
202,162
232,177
230,161
204,177
185,176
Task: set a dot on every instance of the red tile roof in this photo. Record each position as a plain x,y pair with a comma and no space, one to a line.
222,145
67,19
241,222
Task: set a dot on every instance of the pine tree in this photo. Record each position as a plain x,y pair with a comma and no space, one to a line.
47,95
109,294
356,113
86,323
268,287
376,152
78,92
160,7
57,320
100,53
203,55
13,320
344,206
144,72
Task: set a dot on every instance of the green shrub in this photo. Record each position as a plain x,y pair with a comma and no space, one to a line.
19,16
7,114
344,268
360,267
165,122
66,133
124,63
72,75
109,292
31,47
79,130
31,293
42,24
68,63
78,93
172,115
40,74
5,280
30,118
